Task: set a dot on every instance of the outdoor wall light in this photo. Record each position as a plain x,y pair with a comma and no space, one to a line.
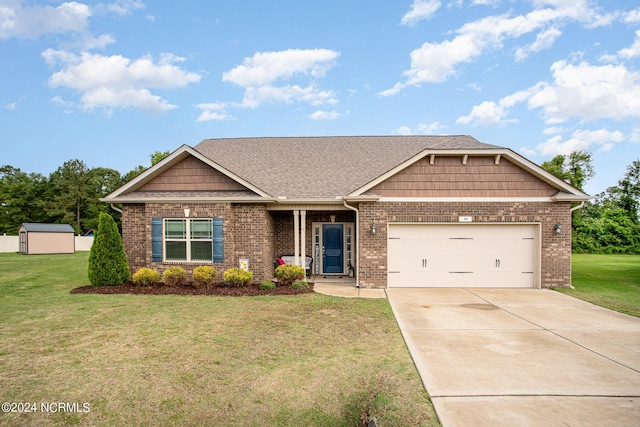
558,228
373,229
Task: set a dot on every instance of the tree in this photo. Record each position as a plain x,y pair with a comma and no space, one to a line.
575,170
156,156
107,261
627,194
21,199
70,187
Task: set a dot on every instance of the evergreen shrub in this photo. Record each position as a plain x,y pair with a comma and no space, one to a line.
108,264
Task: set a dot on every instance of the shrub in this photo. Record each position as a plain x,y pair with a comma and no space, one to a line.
300,284
146,276
266,285
204,275
174,276
107,261
288,273
237,277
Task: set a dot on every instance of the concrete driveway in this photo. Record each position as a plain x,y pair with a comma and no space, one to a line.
520,357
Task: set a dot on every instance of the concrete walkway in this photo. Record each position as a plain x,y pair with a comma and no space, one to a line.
347,290
520,357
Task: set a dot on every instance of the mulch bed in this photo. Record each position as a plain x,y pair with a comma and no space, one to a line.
219,289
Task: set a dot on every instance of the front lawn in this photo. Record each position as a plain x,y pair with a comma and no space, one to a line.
611,281
310,360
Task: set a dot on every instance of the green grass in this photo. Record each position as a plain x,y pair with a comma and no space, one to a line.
183,360
611,281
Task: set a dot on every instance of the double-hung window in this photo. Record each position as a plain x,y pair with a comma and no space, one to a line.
188,239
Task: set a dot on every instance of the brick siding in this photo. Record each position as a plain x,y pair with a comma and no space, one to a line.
248,233
555,248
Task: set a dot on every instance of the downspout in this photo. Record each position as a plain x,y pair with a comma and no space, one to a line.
580,206
357,272
116,209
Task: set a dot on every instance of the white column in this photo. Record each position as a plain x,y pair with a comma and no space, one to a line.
296,237
303,240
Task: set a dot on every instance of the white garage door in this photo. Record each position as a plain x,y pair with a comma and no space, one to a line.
463,255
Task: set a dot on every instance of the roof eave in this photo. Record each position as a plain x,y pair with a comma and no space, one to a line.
126,200
173,158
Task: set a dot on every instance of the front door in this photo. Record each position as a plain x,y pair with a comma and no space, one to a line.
332,241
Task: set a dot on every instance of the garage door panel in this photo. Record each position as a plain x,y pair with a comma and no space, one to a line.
457,255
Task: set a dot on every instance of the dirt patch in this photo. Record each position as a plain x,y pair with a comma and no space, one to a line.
219,289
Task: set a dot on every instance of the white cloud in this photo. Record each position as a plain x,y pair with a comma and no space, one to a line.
120,7
588,92
325,115
436,62
632,17
402,130
626,53
213,111
487,113
583,92
17,20
420,10
260,73
583,140
544,40
431,128
117,82
10,106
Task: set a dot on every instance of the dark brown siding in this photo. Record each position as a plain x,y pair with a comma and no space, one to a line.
448,177
192,174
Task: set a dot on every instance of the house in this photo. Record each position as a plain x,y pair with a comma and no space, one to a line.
392,211
37,238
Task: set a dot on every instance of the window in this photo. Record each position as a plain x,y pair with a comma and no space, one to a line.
188,239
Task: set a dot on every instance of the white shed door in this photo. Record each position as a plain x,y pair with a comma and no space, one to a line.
463,255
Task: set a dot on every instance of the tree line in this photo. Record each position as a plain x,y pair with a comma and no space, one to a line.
607,224
610,222
69,195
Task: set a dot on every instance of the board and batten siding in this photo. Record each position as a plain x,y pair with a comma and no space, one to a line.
449,177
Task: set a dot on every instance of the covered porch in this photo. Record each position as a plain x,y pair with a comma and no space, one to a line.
327,234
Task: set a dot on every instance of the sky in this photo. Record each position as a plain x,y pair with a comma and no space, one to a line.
111,82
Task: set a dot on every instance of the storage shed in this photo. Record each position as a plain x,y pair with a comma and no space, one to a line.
46,239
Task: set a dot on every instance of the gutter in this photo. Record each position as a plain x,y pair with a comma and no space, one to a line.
116,209
357,269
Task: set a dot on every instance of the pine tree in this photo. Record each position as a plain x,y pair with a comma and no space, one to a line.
107,261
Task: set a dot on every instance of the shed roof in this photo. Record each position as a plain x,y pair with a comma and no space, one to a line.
47,228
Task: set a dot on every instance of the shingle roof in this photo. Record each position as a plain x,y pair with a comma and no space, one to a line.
48,228
322,167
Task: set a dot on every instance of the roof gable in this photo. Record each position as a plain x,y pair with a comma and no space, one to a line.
161,181
460,176
191,174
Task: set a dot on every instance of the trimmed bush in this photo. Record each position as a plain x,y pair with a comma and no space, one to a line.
300,284
146,277
237,277
288,273
204,275
174,276
266,285
107,261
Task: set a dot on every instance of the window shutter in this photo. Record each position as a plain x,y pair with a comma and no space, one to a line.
156,239
218,240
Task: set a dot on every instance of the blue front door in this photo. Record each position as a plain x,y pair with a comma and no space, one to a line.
332,240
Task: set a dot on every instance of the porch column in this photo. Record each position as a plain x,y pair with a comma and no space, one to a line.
296,237
303,240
